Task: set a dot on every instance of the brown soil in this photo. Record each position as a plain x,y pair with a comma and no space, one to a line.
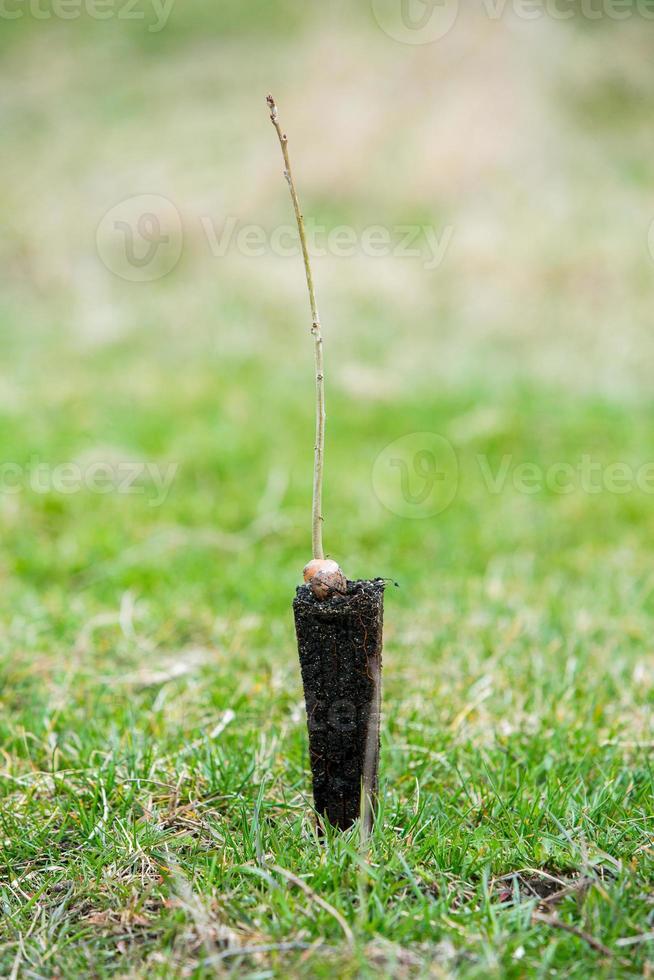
340,647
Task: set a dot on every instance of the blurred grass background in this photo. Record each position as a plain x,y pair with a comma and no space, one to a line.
522,622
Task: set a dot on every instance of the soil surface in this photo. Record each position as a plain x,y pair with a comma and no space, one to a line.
340,647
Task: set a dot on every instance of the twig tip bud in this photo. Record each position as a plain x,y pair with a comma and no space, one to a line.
273,107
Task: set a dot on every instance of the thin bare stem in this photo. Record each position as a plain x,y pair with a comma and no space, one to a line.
319,449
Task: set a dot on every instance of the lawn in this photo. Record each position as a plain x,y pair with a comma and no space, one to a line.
155,794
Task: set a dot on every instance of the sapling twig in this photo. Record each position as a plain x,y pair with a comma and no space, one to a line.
319,452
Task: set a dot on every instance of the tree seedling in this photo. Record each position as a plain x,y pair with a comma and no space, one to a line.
339,627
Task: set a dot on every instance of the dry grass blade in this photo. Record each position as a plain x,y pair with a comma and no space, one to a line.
268,948
310,893
554,923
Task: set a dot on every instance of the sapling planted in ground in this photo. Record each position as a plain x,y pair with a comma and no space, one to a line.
339,628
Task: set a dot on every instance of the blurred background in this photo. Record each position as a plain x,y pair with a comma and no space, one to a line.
478,184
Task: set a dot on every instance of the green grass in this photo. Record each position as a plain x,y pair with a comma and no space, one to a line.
517,695
155,796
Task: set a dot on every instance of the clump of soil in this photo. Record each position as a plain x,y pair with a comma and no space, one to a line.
340,648
550,888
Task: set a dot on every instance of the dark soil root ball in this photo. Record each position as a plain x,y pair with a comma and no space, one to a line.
340,646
